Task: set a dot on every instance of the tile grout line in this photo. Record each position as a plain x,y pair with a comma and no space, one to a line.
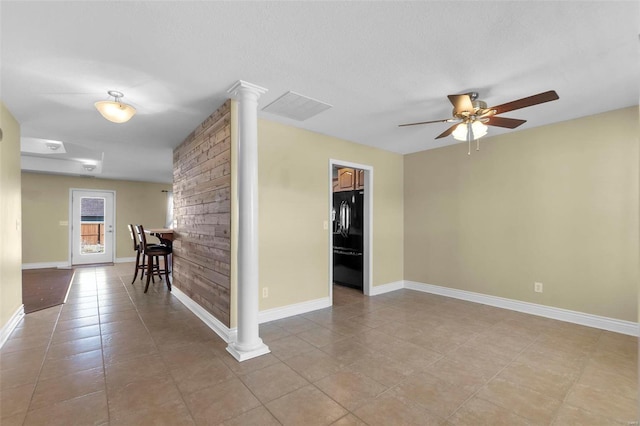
104,364
581,351
389,389
144,324
441,357
309,383
493,377
577,379
55,325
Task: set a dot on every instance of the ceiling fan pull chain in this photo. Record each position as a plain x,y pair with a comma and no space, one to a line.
477,144
469,138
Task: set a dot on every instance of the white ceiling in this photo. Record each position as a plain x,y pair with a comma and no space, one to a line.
379,64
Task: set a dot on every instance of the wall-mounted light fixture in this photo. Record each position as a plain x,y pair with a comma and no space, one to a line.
115,111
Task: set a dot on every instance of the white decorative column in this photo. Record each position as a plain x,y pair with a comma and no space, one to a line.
248,344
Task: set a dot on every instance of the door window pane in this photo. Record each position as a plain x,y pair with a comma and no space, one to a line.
91,225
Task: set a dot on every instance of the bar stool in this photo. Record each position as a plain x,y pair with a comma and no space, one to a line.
138,250
152,254
137,247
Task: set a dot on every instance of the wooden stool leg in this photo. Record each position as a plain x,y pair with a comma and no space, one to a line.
154,265
137,266
149,272
166,272
144,264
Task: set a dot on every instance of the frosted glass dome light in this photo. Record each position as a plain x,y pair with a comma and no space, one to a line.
115,111
478,130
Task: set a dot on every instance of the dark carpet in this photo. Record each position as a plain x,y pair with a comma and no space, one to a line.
44,288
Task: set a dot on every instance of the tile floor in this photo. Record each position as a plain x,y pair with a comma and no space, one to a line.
113,355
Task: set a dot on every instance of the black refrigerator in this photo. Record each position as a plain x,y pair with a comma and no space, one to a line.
348,224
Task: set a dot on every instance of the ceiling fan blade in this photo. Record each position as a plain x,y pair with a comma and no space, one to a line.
509,123
540,98
425,122
461,103
447,132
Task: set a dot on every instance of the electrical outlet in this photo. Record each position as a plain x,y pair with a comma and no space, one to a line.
265,292
325,225
537,287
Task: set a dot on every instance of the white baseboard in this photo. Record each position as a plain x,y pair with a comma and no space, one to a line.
294,309
227,334
8,328
386,288
65,265
589,320
41,265
230,335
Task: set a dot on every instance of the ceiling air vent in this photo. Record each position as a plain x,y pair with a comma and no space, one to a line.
296,106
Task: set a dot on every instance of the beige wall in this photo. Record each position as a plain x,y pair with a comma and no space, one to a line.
10,249
45,202
293,175
556,204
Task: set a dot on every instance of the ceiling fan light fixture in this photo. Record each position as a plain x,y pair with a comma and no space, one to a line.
115,111
478,130
460,133
473,115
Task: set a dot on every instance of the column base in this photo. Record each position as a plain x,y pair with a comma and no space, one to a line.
243,355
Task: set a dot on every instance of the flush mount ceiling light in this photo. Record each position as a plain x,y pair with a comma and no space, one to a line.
115,111
29,145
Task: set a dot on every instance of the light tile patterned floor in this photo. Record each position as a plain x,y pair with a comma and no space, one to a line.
114,355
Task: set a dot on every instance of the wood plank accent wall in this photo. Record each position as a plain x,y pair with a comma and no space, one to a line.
202,214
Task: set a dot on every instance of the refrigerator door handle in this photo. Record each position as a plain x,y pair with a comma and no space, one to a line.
345,219
348,218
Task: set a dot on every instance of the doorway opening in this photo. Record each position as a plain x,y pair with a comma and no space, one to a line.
91,234
350,219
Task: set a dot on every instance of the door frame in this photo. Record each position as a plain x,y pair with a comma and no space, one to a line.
367,228
115,234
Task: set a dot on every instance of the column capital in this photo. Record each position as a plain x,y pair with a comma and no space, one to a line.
241,87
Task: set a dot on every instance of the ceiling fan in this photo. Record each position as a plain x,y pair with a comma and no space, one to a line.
472,116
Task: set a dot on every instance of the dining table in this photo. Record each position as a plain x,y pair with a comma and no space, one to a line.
165,235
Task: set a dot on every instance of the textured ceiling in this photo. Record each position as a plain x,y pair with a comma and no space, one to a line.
379,64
